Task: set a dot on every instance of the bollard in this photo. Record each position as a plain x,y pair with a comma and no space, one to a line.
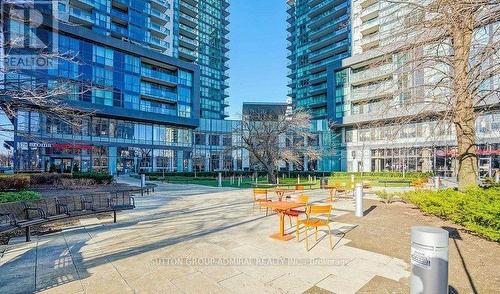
497,176
143,183
429,260
278,180
239,181
298,179
315,179
352,178
309,178
358,193
220,179
437,182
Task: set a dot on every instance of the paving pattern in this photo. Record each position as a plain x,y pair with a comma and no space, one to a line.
191,239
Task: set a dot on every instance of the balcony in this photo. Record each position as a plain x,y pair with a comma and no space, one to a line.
327,27
380,90
371,26
161,5
158,30
318,78
330,39
81,16
188,20
372,74
317,89
86,4
225,102
158,43
322,7
188,54
119,16
321,66
158,16
158,93
187,31
370,12
118,30
122,4
329,50
324,17
370,41
188,43
188,9
158,76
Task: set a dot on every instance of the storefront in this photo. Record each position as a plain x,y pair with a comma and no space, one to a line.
78,157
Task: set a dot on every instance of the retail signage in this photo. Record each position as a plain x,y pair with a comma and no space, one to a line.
40,145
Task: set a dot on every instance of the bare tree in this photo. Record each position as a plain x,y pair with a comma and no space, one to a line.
447,58
273,139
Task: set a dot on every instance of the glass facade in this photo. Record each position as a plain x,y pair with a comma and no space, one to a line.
213,148
145,22
140,106
45,143
319,36
201,29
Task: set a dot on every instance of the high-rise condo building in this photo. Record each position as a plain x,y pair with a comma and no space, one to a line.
200,36
115,63
319,35
378,101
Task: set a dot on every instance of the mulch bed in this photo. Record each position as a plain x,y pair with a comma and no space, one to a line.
474,263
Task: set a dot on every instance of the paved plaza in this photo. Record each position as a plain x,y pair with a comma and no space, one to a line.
192,239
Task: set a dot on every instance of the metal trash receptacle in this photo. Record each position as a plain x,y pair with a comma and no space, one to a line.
429,260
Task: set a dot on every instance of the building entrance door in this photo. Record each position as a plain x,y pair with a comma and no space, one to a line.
62,165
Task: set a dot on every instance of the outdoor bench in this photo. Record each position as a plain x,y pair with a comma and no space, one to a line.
385,182
25,214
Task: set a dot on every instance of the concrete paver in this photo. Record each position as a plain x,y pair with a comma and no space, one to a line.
192,239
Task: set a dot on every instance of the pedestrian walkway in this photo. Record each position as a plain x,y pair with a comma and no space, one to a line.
184,239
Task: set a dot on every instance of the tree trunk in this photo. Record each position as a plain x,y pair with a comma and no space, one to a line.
272,175
463,115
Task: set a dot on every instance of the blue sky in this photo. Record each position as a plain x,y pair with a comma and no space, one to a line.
257,51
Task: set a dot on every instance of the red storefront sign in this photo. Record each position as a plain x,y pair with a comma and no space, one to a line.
62,147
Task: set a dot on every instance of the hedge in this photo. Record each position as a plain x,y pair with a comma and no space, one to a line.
19,182
18,196
477,209
99,178
14,182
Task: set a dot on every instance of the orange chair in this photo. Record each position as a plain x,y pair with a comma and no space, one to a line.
299,188
295,212
311,222
257,198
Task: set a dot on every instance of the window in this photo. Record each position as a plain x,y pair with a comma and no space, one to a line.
199,139
214,140
102,55
102,97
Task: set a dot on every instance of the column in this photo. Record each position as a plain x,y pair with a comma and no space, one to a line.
112,160
180,160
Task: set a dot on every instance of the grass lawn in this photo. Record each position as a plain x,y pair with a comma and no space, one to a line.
18,196
247,182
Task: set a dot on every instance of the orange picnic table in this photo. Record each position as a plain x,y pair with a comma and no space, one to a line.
281,193
281,207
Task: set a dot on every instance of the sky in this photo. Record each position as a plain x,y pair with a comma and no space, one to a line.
257,65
